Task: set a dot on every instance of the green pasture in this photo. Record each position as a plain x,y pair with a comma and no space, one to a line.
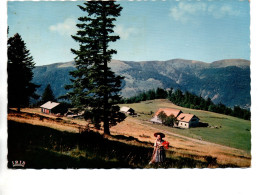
225,130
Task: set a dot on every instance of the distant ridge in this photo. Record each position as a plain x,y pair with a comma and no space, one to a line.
231,62
226,81
177,61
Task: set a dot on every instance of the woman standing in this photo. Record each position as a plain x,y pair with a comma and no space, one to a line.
158,151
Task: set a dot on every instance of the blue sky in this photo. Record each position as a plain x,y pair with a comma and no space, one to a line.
149,30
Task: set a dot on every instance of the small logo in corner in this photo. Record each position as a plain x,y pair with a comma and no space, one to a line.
19,163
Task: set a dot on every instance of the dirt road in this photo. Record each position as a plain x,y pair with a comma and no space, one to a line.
183,145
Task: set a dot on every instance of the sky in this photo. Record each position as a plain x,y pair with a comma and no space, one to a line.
149,30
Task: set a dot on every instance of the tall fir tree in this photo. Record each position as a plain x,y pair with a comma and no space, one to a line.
48,94
95,87
19,67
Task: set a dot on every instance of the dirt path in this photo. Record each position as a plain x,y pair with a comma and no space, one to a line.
183,145
189,138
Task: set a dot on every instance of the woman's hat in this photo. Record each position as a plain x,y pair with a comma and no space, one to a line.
158,133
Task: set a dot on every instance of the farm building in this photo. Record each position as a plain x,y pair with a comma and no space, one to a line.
187,120
50,107
127,110
183,120
167,111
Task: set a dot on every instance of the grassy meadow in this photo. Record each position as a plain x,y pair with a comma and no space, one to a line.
44,142
44,147
225,130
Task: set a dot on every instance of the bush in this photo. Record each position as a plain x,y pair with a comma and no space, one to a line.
170,120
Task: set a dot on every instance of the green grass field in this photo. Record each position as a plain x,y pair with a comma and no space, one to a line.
225,130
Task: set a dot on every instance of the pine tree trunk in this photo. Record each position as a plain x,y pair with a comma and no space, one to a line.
106,127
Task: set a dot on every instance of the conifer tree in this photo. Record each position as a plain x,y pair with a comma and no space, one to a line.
95,88
19,67
48,94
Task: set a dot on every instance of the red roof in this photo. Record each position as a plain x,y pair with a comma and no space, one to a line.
185,117
169,111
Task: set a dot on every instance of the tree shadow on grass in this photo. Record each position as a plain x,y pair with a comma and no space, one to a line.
43,147
130,138
39,158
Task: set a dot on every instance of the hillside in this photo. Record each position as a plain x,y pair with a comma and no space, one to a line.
225,130
227,144
226,81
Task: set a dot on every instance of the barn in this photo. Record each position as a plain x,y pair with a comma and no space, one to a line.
167,111
127,110
187,120
50,107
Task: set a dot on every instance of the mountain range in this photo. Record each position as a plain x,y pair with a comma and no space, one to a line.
226,81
